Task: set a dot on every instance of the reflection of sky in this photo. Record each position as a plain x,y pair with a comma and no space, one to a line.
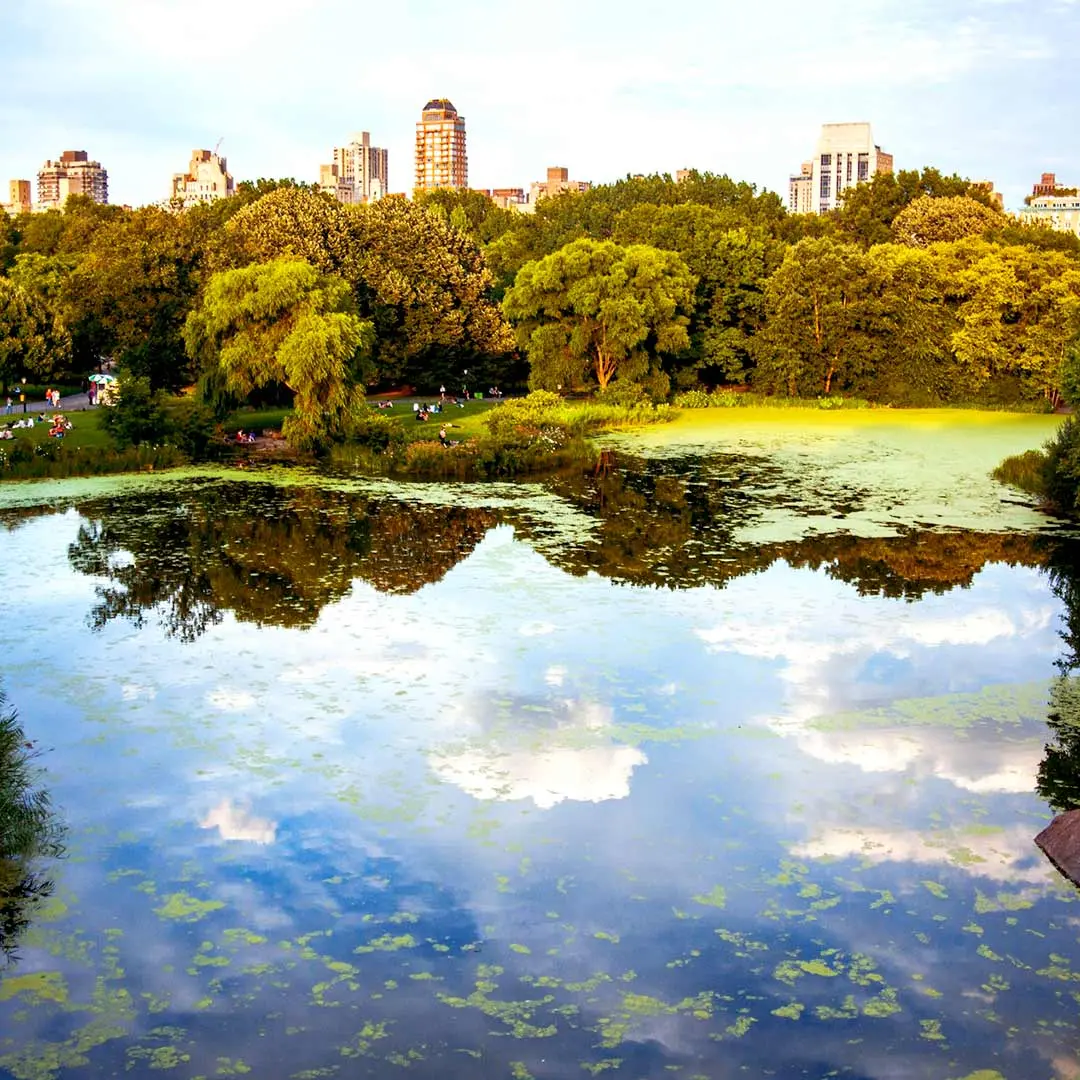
514,767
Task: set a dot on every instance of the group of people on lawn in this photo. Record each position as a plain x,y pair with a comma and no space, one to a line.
60,425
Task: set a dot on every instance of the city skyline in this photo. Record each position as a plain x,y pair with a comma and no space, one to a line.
719,88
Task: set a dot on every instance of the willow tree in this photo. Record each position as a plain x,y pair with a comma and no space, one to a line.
284,322
594,308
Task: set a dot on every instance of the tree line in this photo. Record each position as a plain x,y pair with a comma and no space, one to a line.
916,291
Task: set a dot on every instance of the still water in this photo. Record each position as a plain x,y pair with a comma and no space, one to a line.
708,764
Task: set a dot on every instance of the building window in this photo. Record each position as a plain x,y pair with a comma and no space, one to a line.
826,160
864,167
826,186
849,168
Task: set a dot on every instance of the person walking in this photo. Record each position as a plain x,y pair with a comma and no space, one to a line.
8,407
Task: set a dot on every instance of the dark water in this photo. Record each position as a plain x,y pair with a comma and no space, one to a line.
568,782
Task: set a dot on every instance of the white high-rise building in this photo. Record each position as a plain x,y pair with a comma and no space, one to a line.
846,155
207,180
358,173
801,190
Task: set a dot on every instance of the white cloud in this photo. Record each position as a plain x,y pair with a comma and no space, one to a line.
1007,856
547,777
236,823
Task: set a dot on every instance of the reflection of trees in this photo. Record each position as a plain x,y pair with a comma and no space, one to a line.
30,832
675,523
1059,773
278,555
274,556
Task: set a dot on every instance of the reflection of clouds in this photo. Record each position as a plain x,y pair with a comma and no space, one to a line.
131,691
230,700
555,675
1013,774
594,774
1005,856
235,823
553,768
819,637
996,766
536,629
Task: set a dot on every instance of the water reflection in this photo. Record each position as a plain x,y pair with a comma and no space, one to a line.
30,834
271,556
533,818
279,556
1059,771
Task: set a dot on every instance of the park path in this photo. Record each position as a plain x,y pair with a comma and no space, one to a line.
71,403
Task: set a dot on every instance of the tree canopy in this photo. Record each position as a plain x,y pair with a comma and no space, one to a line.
597,310
283,321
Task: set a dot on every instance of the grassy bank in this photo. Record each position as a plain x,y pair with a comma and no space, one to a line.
541,433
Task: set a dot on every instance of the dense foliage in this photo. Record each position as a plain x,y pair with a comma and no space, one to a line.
30,832
916,291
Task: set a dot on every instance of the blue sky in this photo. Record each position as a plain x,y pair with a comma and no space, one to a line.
984,87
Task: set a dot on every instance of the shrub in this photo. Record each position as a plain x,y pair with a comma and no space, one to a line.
377,432
527,412
138,415
1026,471
1061,472
193,429
623,393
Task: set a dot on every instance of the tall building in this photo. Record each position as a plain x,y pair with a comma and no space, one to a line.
801,190
73,174
506,198
206,180
358,173
846,155
558,180
1053,206
1047,185
441,161
20,197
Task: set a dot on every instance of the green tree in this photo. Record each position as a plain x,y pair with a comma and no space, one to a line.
916,319
131,291
731,266
427,290
138,413
289,221
285,322
32,342
479,216
821,307
597,309
930,220
868,210
1019,311
592,214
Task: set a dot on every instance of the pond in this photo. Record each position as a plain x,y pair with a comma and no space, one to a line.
725,758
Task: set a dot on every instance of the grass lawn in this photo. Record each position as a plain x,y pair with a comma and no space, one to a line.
460,424
87,431
257,420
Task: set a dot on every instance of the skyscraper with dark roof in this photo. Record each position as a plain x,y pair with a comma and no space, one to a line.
441,161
